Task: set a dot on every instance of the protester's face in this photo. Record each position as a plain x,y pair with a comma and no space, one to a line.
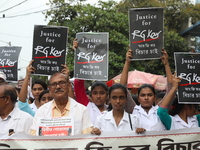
45,98
59,86
36,90
146,98
99,96
191,110
118,99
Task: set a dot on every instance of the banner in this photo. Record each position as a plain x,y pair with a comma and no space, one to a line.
146,32
184,139
187,67
49,49
91,56
56,126
9,62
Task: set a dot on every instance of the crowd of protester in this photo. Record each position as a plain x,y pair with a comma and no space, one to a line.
103,109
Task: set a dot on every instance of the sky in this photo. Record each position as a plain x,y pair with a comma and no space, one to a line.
17,27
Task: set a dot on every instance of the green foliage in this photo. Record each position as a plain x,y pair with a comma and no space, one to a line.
102,18
173,43
36,77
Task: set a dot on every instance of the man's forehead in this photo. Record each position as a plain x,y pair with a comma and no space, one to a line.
2,87
58,77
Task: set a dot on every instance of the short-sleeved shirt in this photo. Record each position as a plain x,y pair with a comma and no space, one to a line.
175,122
94,111
149,121
106,122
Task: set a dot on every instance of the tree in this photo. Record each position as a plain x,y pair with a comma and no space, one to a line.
176,12
101,18
113,18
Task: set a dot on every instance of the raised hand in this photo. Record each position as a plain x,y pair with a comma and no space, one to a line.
129,54
75,44
30,69
164,57
65,70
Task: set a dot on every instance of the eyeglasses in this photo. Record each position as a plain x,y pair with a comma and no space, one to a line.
3,97
61,84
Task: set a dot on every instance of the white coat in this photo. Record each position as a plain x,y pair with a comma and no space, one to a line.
106,122
178,123
18,120
94,111
149,121
77,111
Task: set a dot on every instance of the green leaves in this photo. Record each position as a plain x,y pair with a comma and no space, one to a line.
113,18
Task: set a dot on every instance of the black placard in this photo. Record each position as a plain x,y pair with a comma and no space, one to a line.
91,56
49,49
9,62
146,32
187,67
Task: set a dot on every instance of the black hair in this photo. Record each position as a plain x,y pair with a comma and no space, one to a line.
146,86
41,82
11,92
114,87
98,83
42,93
2,80
18,89
160,95
31,99
135,98
175,108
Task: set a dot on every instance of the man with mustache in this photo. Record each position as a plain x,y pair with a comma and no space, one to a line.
63,106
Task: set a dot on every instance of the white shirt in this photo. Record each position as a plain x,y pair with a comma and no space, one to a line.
33,106
18,120
94,111
77,111
106,122
149,121
178,123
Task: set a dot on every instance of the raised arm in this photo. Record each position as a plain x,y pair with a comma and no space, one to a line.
165,61
75,44
168,98
130,104
162,111
66,71
124,75
24,89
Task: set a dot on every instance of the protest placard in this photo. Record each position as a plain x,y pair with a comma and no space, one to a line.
9,62
91,56
49,49
146,32
63,126
187,67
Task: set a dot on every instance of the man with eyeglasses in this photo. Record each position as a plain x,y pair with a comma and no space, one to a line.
11,118
62,106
